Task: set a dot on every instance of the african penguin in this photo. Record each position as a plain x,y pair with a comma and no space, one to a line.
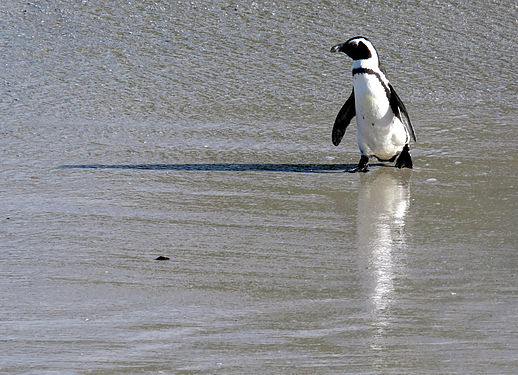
384,128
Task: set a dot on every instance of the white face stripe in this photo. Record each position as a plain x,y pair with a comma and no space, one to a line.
371,62
368,43
356,40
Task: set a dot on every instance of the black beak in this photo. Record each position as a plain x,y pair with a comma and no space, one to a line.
337,48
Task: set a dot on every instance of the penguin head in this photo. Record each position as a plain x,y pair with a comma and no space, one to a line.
357,48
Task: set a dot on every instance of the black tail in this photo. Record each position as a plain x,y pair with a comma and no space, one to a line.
404,159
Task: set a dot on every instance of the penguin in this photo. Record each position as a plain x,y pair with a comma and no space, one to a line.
384,129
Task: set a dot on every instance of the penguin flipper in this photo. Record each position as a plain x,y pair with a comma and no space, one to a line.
400,111
343,119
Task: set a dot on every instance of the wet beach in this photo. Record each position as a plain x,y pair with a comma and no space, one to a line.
201,132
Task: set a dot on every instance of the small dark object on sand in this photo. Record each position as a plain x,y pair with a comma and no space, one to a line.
162,258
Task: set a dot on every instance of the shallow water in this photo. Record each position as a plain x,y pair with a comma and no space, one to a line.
202,132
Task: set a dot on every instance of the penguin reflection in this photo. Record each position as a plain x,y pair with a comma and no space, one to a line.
382,208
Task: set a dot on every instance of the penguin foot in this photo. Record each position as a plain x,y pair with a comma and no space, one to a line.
404,160
362,165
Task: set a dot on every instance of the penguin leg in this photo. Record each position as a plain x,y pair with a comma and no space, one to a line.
362,165
404,160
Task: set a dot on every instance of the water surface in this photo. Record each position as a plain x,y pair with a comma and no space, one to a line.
202,132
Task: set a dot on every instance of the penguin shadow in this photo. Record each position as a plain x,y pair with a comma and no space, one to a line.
383,205
224,167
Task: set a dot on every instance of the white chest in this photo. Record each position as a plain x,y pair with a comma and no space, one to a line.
370,98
